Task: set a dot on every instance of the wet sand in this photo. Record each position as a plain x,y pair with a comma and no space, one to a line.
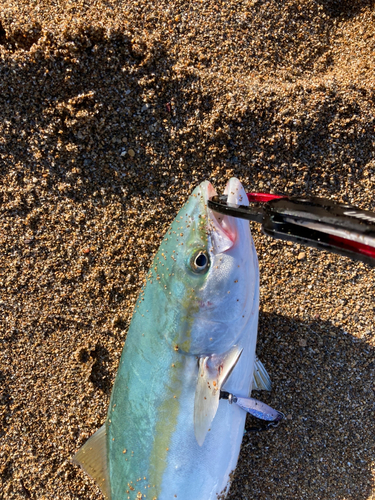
110,114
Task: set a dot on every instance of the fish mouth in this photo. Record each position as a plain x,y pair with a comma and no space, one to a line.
223,229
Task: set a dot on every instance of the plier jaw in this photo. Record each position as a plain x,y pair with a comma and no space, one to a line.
314,222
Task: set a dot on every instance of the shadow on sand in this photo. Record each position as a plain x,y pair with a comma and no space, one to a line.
326,390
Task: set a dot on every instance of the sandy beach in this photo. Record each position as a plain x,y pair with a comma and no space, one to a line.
110,114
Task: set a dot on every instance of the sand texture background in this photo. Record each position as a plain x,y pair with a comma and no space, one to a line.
110,114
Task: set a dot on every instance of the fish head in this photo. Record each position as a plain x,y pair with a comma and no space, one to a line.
210,274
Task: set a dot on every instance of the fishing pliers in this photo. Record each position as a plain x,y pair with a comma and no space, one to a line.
315,222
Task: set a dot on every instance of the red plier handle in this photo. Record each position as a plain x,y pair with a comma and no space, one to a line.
315,222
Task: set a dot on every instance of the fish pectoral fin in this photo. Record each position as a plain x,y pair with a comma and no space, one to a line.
261,379
213,372
92,457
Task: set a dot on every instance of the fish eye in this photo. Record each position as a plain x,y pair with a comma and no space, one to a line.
200,262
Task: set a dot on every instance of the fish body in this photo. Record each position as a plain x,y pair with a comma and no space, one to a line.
194,329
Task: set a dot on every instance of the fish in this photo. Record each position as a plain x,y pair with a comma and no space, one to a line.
193,333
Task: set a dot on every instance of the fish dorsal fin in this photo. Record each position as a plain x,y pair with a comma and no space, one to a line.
92,457
213,372
261,379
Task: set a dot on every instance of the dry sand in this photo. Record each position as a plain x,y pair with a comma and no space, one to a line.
110,113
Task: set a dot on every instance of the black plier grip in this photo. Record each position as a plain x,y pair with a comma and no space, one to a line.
314,222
